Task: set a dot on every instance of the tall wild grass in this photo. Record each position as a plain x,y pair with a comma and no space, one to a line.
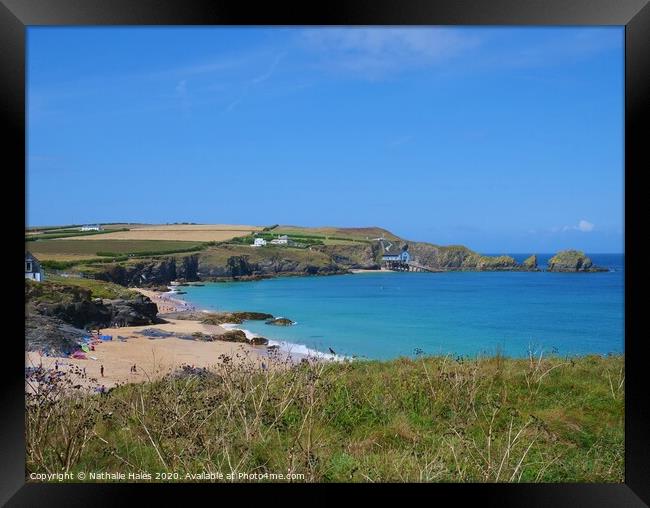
426,419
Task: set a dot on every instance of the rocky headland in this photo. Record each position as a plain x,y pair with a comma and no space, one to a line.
572,261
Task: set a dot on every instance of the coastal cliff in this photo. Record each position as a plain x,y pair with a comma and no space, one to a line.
313,255
153,272
365,256
241,262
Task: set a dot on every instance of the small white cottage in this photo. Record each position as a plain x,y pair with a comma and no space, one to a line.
33,268
280,240
92,227
259,242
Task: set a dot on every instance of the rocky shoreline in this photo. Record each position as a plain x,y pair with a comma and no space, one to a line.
58,316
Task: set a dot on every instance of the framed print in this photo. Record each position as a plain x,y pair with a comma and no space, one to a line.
381,245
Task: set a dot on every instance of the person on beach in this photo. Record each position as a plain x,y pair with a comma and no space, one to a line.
135,370
56,364
101,370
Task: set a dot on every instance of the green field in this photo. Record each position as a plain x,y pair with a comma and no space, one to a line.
335,233
434,419
64,250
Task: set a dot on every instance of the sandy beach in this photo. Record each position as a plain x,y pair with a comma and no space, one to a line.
153,357
165,302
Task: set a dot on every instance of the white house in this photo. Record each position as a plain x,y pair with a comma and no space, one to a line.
91,227
280,240
33,268
259,242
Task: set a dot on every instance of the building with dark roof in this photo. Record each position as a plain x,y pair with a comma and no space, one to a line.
394,253
33,268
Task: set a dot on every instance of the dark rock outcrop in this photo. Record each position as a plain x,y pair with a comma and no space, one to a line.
280,322
237,266
81,314
572,261
80,311
259,341
233,336
139,311
158,272
240,336
218,318
48,333
251,315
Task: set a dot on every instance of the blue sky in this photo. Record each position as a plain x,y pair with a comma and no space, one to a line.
501,139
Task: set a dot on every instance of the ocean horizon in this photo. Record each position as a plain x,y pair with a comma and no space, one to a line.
391,314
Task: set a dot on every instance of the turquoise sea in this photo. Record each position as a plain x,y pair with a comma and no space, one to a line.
386,315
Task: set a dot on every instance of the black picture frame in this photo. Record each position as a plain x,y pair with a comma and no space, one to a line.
16,15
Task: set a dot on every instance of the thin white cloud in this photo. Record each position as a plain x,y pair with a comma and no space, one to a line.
378,51
269,73
255,81
583,226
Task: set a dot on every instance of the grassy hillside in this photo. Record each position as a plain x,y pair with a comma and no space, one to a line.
219,255
428,419
55,288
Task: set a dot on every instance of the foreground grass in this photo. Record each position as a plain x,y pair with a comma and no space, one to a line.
423,419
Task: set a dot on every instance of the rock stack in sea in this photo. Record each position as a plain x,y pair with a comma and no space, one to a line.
530,263
572,261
